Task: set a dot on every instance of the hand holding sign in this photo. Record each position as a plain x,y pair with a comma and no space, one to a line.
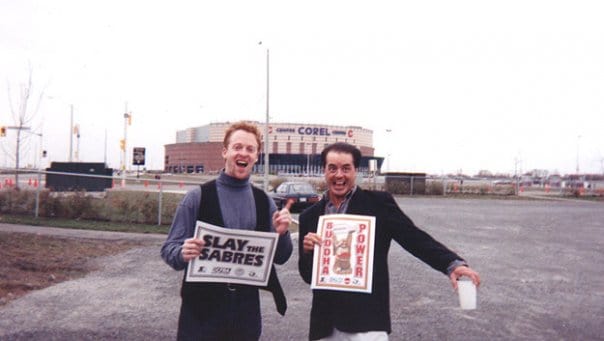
231,255
282,219
191,248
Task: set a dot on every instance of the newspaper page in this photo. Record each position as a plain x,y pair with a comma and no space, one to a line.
233,256
344,261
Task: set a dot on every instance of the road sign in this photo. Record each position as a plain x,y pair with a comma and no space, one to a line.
138,156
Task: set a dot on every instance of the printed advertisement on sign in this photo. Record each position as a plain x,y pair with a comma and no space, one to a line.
344,260
233,256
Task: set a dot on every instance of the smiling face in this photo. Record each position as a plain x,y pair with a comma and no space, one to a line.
340,175
240,154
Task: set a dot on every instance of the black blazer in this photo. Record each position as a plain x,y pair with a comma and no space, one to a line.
360,312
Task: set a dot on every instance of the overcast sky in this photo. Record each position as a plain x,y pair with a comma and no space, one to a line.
462,85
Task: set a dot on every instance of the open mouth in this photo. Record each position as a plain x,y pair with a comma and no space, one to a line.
339,184
241,163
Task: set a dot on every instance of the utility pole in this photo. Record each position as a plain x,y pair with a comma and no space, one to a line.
76,132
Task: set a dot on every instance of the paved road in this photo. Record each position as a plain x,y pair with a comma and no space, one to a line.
541,264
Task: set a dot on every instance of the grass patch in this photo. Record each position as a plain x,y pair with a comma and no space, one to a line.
83,224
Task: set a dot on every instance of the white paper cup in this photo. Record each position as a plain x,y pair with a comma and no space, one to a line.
467,294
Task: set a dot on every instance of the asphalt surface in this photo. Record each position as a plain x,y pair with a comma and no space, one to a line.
540,261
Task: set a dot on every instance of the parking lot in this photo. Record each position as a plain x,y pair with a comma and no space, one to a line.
540,262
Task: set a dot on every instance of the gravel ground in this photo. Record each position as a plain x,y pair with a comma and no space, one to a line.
540,262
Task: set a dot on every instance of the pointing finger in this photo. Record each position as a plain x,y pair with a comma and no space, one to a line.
289,204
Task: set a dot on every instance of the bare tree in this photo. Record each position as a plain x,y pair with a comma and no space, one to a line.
23,115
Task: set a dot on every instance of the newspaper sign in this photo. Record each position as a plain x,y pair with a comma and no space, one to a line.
233,256
344,261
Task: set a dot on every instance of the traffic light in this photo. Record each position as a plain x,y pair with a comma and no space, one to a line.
123,144
129,119
3,131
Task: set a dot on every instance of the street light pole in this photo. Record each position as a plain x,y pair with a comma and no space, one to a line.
71,135
388,131
266,149
578,141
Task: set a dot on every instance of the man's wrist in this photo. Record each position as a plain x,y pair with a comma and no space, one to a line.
455,264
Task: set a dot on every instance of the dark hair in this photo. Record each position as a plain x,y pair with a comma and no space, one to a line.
342,147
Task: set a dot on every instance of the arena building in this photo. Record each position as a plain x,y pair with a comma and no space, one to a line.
295,148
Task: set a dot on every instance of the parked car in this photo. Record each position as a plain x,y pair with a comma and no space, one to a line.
302,195
503,182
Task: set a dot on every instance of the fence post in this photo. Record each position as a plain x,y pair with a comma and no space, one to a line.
37,210
159,209
411,183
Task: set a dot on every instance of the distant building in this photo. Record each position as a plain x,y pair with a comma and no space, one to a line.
553,180
294,147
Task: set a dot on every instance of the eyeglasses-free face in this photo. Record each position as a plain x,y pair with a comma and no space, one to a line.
240,155
340,175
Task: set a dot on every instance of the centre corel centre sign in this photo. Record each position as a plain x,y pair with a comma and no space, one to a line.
313,131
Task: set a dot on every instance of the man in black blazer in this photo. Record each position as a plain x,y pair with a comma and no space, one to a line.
342,315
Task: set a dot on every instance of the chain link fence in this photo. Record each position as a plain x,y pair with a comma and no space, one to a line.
153,198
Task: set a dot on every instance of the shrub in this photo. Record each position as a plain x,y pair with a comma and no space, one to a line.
434,188
17,201
112,206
